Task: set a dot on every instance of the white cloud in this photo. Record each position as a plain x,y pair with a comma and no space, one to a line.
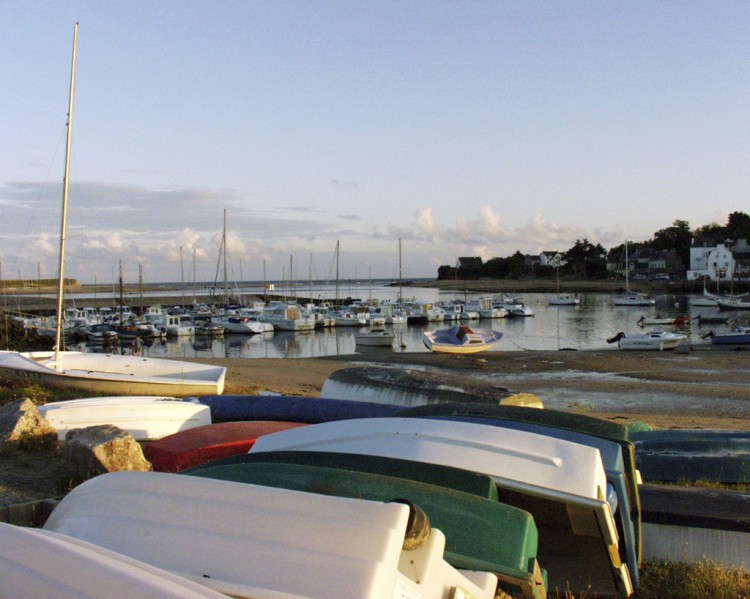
424,221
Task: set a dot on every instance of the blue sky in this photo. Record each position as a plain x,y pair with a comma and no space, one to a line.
462,128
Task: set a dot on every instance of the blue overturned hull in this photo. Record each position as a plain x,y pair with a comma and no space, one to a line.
310,410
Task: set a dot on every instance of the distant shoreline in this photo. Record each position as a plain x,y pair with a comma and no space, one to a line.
29,300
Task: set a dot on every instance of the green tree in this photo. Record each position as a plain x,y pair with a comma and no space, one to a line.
678,237
738,226
586,259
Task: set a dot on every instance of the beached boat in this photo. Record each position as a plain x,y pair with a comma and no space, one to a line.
189,448
693,525
693,455
113,374
740,335
618,493
461,339
310,410
653,340
580,423
481,533
256,541
143,417
39,563
562,484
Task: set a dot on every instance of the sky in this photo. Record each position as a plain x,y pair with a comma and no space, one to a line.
476,128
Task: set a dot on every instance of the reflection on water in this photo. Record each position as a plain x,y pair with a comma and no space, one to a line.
583,327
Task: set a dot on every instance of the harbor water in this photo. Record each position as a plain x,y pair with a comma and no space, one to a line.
583,327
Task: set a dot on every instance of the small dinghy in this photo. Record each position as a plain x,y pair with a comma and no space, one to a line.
202,444
562,484
143,417
461,339
39,563
247,540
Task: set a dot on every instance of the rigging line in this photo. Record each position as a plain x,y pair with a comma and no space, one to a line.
35,204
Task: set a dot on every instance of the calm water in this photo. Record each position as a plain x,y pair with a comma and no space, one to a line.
583,327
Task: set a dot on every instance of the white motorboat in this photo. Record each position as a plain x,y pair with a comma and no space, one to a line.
144,417
561,483
248,540
485,308
113,374
376,336
513,306
286,317
461,340
655,339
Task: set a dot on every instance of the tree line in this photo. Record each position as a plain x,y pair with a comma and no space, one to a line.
586,260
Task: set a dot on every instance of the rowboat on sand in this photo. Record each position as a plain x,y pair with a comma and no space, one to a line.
189,448
461,339
562,484
39,563
482,534
143,417
256,541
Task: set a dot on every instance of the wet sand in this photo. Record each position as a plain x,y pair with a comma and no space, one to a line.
697,389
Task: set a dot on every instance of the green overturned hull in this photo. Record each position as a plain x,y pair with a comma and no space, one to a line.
432,474
481,534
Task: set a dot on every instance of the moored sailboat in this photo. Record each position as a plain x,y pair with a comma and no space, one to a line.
113,374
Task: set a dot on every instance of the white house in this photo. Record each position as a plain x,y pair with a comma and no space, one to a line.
717,263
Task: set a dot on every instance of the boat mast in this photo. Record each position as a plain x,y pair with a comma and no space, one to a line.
337,275
63,226
400,290
224,245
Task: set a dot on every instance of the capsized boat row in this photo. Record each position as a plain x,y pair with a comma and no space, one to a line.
518,499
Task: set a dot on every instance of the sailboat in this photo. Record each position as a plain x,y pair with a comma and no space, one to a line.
565,299
631,298
112,374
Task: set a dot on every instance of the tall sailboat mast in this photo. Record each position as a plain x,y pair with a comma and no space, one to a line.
63,226
224,245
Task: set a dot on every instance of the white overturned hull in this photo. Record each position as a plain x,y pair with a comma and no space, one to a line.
562,484
39,563
143,417
114,374
252,541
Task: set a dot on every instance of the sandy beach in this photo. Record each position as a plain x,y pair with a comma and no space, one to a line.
697,389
